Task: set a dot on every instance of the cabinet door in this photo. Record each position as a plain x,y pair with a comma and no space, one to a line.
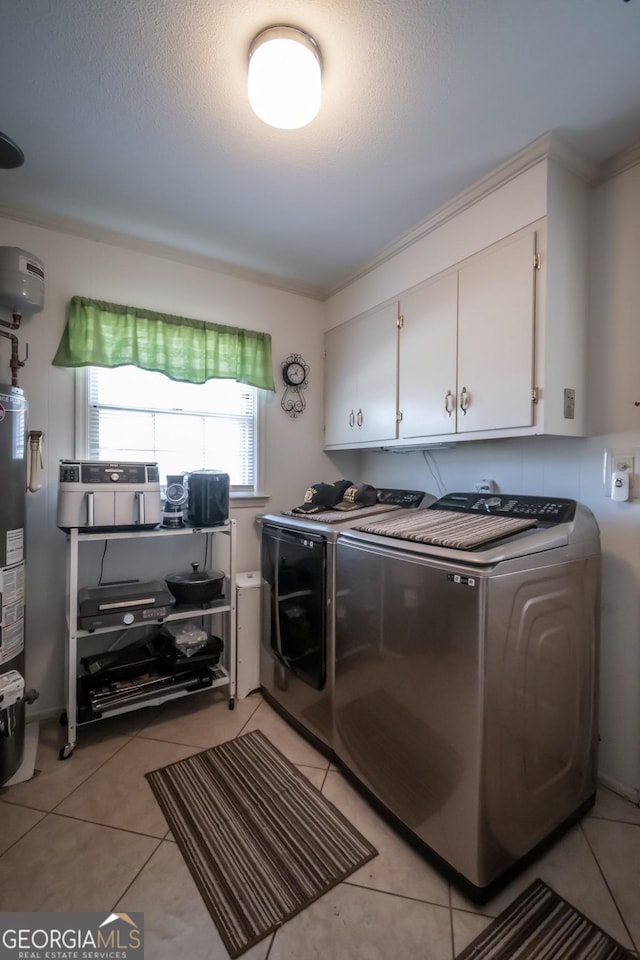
376,363
361,371
496,313
428,359
341,346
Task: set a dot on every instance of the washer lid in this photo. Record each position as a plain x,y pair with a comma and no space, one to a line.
542,524
447,528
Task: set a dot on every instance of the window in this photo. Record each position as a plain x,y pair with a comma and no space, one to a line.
133,414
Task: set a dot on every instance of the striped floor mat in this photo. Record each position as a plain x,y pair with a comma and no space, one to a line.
260,841
540,925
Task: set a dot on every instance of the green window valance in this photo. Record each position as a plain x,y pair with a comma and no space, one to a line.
100,334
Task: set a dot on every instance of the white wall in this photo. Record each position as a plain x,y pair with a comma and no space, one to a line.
573,467
292,449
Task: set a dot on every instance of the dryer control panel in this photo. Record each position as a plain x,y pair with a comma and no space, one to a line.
544,509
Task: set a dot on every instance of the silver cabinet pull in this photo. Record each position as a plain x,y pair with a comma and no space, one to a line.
360,418
352,419
449,403
465,400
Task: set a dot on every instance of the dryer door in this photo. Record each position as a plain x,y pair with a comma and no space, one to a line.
294,568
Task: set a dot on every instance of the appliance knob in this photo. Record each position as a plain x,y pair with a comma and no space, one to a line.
115,477
492,502
127,618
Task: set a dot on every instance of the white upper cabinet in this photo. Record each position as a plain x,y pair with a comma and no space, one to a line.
492,338
361,371
467,346
466,355
496,318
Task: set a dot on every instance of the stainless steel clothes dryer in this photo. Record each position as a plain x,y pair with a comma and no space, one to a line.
298,602
465,688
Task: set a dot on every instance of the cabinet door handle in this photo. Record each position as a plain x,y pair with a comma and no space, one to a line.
352,419
465,400
449,403
360,418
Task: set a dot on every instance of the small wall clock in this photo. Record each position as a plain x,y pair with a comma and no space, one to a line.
295,374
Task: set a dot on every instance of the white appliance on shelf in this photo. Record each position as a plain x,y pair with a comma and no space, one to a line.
96,495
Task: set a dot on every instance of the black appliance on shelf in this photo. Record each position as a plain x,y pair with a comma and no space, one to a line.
123,603
207,498
141,671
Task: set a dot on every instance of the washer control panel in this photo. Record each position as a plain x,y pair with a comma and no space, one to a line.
400,498
547,509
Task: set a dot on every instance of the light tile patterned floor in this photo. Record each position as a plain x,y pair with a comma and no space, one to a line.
87,834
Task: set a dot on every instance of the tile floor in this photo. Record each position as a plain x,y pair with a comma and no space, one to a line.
87,834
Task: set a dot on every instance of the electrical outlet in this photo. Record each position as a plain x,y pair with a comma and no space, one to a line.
624,463
485,486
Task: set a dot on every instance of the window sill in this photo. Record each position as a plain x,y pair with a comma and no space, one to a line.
240,501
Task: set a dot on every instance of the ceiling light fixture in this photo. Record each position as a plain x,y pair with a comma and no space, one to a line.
284,77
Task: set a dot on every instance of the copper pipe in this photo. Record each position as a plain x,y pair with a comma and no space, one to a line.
15,363
15,321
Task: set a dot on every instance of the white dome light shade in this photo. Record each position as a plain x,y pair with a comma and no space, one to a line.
285,77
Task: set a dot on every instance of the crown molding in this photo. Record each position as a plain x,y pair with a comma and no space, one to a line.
78,228
570,157
620,162
548,146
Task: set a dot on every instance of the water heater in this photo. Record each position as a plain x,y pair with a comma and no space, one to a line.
21,281
21,294
13,480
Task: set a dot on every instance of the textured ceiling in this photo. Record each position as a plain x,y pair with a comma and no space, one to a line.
133,116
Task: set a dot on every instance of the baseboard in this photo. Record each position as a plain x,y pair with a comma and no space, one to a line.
622,789
41,715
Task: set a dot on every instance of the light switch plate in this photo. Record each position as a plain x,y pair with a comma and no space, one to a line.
569,403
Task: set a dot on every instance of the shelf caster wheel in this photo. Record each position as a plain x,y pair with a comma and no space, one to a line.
63,718
66,751
232,704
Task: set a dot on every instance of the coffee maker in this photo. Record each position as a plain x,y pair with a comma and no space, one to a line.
175,501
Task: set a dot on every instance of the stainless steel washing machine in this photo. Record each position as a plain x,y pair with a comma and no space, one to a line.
465,687
297,652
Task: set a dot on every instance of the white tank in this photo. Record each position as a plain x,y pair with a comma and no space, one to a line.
21,281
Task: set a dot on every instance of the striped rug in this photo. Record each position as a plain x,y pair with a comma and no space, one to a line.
260,841
540,925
